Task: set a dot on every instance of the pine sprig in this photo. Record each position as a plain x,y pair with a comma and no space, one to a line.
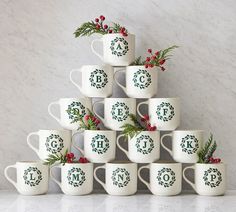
207,151
138,62
52,158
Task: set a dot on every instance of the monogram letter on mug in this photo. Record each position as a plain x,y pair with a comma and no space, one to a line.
70,108
31,177
165,178
116,112
118,50
142,148
96,81
185,145
120,178
210,179
99,145
50,142
141,82
76,178
164,112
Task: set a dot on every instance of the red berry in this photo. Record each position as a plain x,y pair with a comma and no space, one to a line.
148,59
149,50
154,57
162,62
109,31
98,26
146,117
142,119
69,161
122,29
102,17
71,155
151,65
83,160
105,26
96,20
87,117
162,68
156,53
146,65
93,118
124,34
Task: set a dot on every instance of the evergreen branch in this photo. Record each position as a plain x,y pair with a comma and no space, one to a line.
138,62
52,158
117,27
131,130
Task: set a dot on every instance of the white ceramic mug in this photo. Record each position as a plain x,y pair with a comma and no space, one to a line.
68,110
142,148
120,177
31,177
76,178
96,80
116,112
99,145
210,179
185,145
164,112
165,178
118,50
50,142
141,82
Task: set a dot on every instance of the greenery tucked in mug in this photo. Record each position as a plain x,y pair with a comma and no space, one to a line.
88,121
97,26
133,129
67,157
206,153
157,58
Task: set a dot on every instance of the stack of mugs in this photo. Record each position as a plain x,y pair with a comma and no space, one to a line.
100,145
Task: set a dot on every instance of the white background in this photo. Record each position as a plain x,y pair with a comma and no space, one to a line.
38,49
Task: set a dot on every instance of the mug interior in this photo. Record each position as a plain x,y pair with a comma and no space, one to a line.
165,162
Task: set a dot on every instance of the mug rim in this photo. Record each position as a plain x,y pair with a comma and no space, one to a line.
59,130
120,162
210,164
188,131
160,98
71,164
73,98
30,162
104,64
120,98
118,34
129,66
165,162
103,130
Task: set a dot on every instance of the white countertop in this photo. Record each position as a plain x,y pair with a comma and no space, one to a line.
11,201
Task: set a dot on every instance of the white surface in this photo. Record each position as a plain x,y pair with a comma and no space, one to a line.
12,202
38,50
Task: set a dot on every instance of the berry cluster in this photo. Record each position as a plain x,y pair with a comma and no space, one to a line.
70,158
92,121
154,60
214,160
148,126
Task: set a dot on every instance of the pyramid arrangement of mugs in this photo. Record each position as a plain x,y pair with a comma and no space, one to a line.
143,136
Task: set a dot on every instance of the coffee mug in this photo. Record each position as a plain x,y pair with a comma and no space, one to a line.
164,112
165,178
142,148
31,177
210,179
99,145
116,112
50,142
96,80
185,145
76,178
120,177
69,108
141,82
118,50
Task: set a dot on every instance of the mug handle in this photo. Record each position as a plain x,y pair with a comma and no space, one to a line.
73,82
76,147
162,144
141,179
121,86
8,178
30,144
93,50
141,103
96,178
120,147
50,113
94,104
53,177
186,179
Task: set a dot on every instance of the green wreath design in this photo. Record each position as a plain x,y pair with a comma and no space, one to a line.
122,51
166,171
195,141
144,151
98,84
118,171
59,140
80,172
139,84
73,110
165,118
35,182
104,149
125,108
212,184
